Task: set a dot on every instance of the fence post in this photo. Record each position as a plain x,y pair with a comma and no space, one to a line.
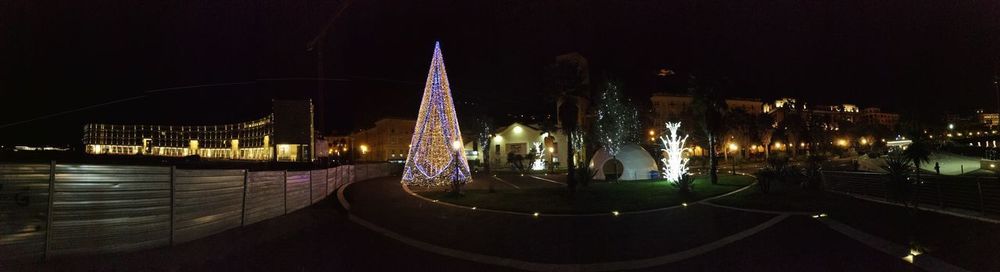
48,215
284,196
173,174
246,186
310,187
982,206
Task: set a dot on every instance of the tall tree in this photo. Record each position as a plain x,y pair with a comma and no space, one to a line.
484,136
918,152
740,125
794,126
568,117
709,108
763,128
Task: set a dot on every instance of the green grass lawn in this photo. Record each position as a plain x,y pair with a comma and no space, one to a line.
598,197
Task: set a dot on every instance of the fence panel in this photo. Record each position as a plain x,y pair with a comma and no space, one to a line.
318,183
360,172
109,208
927,192
331,180
351,172
24,209
991,196
296,190
962,194
265,196
870,184
206,202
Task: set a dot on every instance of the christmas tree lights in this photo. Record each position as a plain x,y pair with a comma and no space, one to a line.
674,163
617,120
436,156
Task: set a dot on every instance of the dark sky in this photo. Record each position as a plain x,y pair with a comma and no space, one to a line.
55,56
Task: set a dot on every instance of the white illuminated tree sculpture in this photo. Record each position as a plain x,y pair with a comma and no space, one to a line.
436,156
674,163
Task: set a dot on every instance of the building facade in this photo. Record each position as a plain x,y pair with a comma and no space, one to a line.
388,141
520,139
668,107
284,135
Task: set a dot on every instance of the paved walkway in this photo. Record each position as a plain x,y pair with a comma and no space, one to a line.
316,238
428,236
698,237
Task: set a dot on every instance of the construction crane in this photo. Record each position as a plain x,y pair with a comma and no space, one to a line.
317,44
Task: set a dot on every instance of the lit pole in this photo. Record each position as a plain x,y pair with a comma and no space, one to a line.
455,187
733,148
552,156
996,86
317,44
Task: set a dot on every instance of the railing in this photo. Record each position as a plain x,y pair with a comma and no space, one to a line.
54,209
975,194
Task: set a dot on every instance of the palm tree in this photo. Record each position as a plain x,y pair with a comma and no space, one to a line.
764,129
741,128
709,109
918,152
568,114
794,126
899,184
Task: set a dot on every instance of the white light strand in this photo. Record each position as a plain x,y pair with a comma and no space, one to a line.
674,163
436,156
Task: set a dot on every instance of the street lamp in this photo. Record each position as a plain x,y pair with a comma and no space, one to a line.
457,146
552,158
732,148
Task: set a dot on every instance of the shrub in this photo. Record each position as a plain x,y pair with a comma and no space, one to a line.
813,172
685,185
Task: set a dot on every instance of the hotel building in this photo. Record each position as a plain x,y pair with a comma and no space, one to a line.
284,135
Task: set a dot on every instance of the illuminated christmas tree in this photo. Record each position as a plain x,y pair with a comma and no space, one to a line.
436,156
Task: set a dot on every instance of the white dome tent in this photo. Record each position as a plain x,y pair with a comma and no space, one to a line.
636,161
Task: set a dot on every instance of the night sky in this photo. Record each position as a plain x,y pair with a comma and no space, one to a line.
57,56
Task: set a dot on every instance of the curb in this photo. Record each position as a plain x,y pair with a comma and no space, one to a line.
533,266
609,213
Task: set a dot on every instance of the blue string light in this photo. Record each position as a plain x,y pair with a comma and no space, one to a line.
432,154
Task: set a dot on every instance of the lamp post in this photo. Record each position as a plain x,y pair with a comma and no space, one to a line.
552,156
455,187
733,148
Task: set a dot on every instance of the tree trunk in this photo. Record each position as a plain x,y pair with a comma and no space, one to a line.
911,192
486,159
570,167
713,160
767,150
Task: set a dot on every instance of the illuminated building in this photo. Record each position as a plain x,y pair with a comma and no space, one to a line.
388,141
831,117
520,139
670,106
989,119
284,135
